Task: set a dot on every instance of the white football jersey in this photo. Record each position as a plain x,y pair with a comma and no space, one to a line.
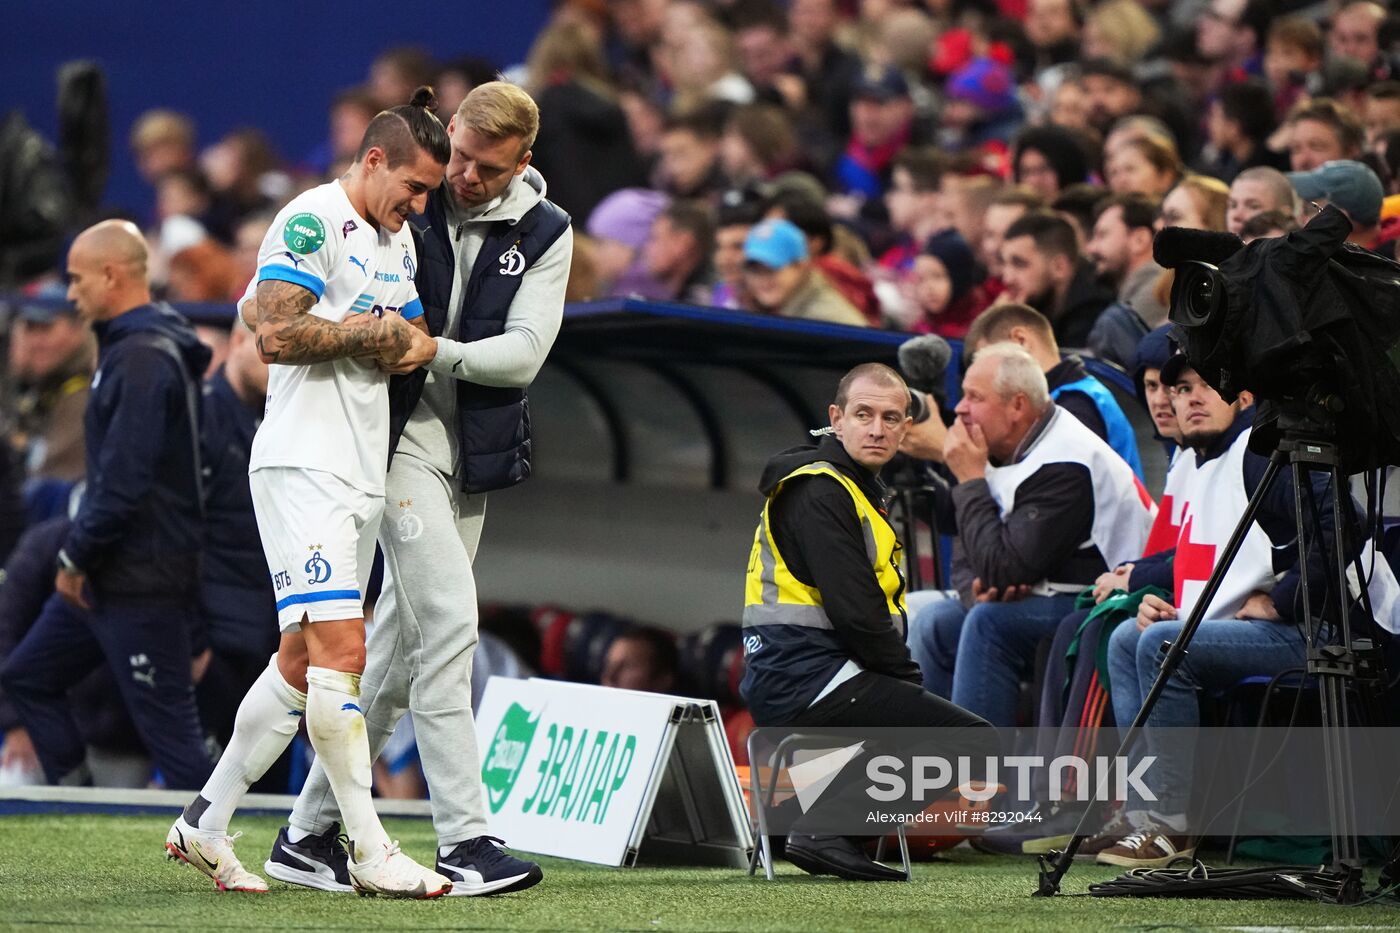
333,416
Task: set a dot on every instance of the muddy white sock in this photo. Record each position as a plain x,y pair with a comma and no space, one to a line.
267,719
336,725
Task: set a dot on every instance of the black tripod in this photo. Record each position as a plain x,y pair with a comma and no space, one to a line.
1305,445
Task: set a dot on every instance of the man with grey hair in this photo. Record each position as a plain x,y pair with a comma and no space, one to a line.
1256,191
1042,506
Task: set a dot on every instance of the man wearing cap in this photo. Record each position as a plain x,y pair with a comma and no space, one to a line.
52,356
882,123
781,280
1356,192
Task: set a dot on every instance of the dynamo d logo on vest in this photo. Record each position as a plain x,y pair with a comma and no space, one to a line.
506,756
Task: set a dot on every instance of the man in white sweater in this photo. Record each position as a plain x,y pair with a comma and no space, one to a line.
495,262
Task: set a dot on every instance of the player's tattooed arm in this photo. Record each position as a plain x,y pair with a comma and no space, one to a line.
288,334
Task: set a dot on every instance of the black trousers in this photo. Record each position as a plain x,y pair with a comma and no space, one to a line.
871,700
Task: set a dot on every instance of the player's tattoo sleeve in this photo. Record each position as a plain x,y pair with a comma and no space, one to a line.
288,334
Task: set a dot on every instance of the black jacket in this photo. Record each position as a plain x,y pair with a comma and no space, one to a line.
1085,299
817,531
137,533
236,601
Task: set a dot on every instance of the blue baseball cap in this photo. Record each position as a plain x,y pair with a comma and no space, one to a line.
775,243
43,308
1351,186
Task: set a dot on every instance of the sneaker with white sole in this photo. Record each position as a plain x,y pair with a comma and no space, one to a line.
481,866
319,862
390,873
1153,847
212,853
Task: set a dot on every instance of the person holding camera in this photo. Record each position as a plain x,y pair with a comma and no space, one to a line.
1250,626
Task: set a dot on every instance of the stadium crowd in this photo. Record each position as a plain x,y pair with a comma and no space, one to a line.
990,171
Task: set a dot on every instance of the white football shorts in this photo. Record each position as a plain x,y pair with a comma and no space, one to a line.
318,534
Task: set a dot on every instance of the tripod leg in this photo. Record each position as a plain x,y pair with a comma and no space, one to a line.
1050,876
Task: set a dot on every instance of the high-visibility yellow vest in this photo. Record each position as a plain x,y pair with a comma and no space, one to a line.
773,596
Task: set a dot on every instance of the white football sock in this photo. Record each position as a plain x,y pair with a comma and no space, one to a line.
336,725
267,719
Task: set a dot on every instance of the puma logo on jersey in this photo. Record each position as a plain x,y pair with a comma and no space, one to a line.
362,263
296,263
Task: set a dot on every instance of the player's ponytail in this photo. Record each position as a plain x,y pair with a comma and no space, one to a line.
424,98
403,129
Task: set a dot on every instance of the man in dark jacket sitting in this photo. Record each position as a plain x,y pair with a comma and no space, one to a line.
132,555
824,616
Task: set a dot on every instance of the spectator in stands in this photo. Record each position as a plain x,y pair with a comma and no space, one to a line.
244,173
1121,31
826,68
1077,204
1322,130
689,164
697,59
1293,51
1052,27
840,272
1111,91
1250,627
765,53
1238,126
456,78
52,358
882,124
186,193
247,240
162,141
1007,206
980,108
204,271
1068,382
824,616
1256,191
132,555
581,123
1143,166
1356,191
1354,32
235,593
1047,159
641,658
1197,202
395,73
677,252
1076,510
736,216
1231,36
1267,224
1121,250
946,289
619,226
1381,111
350,114
759,142
780,279
915,206
966,202
1042,267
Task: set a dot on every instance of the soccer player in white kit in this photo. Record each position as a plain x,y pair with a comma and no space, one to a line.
334,297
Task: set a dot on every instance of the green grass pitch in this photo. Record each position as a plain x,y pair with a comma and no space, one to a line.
109,873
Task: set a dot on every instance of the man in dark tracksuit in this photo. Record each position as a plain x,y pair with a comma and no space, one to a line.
235,593
132,555
824,616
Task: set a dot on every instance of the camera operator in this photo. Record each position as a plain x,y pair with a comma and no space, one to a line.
1249,628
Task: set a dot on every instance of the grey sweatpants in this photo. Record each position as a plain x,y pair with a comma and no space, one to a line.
419,654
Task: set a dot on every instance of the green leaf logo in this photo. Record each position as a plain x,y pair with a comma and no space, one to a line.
304,234
506,756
